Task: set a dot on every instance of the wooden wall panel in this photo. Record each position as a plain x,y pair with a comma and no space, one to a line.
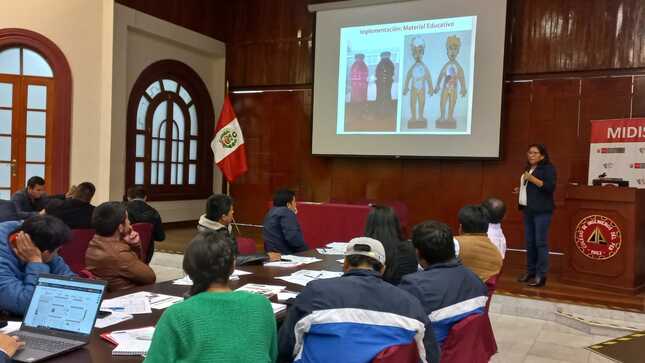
576,35
212,18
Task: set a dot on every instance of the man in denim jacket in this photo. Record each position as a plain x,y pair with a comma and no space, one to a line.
27,250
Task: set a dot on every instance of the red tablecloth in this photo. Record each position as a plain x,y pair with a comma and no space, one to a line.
322,223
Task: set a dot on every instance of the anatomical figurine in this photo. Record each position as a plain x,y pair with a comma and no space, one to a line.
384,78
451,73
358,76
420,76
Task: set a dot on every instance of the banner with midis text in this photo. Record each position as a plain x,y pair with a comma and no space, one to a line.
617,149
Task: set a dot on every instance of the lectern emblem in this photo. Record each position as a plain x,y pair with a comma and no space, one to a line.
598,237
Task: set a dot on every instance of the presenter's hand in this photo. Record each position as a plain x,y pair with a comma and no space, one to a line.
26,250
528,176
10,344
274,256
516,190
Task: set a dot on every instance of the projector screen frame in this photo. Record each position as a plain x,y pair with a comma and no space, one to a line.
502,115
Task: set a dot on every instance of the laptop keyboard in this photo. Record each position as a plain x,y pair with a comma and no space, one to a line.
47,345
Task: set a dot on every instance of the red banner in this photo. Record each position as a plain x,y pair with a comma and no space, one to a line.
618,131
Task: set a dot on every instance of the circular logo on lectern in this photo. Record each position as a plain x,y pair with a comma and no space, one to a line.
598,237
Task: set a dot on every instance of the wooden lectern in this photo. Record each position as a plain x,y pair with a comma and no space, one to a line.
606,244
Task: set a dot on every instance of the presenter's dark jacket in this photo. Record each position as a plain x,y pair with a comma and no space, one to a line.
540,200
282,232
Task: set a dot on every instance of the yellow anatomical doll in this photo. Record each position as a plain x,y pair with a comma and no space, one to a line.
450,74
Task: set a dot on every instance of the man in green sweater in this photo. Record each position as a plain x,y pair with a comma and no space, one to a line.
215,324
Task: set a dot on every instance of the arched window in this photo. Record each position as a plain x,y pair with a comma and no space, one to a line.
35,89
168,116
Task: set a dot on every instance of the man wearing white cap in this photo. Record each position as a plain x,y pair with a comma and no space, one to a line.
357,310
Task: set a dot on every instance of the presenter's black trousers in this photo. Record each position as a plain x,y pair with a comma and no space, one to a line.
536,232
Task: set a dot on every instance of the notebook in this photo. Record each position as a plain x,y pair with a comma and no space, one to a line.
130,342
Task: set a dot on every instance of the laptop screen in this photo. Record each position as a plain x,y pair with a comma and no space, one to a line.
64,305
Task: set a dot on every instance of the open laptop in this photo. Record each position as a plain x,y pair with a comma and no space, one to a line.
60,318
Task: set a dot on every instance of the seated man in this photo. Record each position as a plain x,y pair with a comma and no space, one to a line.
496,210
8,211
447,290
75,211
114,254
139,211
358,310
476,251
219,218
281,231
32,199
26,251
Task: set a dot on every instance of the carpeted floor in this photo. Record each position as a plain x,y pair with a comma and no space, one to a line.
627,349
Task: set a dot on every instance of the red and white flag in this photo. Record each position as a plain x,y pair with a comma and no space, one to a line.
228,144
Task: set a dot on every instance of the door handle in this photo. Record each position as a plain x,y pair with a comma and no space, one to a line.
13,167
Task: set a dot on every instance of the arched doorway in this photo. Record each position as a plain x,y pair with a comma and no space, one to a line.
35,111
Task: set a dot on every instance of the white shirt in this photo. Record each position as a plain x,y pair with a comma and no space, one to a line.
496,235
523,184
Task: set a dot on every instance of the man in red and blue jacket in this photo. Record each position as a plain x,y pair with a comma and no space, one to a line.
448,290
354,317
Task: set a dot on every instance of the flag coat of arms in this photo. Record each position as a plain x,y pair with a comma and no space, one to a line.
228,143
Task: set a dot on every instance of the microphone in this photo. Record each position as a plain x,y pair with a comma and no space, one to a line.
603,175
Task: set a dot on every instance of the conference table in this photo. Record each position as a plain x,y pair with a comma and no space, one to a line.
98,350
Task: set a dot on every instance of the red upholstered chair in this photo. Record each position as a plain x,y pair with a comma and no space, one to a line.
84,273
246,246
491,284
145,235
398,354
73,252
470,340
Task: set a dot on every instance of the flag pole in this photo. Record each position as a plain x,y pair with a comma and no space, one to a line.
228,184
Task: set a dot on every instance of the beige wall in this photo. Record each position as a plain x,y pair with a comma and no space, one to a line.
82,29
140,40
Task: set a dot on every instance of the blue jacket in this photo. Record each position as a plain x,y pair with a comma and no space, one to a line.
282,232
331,312
448,292
540,200
18,279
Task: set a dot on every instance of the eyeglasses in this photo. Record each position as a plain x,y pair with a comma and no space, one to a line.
532,153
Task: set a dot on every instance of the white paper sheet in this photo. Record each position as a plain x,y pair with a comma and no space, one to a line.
303,277
286,295
127,304
156,301
278,307
112,319
186,281
266,290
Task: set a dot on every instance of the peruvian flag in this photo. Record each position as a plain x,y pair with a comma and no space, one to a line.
228,144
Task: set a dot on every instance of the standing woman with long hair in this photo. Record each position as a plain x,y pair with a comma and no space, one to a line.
400,257
537,185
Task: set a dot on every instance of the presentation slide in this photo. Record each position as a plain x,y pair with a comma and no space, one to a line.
418,78
410,77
